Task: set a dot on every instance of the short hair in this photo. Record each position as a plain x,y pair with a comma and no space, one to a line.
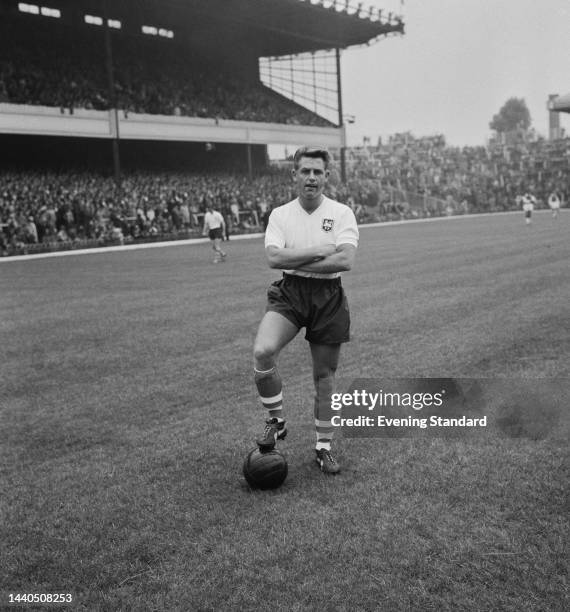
314,152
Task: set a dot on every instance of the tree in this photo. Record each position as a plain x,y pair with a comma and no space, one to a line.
513,115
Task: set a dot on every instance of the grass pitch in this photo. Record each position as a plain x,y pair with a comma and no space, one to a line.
127,407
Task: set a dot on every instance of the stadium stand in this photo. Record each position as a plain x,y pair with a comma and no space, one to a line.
406,178
65,68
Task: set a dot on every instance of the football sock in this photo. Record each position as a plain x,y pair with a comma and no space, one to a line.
323,412
268,383
322,443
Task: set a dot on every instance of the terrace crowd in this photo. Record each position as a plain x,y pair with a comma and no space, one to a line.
478,178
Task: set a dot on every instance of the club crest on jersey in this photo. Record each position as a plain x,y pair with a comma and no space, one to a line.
327,225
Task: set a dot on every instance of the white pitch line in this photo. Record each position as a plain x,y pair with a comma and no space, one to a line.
429,219
123,247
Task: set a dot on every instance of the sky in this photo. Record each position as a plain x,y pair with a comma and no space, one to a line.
458,62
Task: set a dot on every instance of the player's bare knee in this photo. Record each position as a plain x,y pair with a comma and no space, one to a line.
264,356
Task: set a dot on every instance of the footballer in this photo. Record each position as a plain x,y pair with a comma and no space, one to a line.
311,239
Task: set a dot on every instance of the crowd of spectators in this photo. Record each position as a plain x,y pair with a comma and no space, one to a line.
70,208
405,178
412,170
66,68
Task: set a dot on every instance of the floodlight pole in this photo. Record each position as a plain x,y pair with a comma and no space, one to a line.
340,118
113,113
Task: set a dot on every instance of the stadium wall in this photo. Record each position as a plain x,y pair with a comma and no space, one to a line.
47,121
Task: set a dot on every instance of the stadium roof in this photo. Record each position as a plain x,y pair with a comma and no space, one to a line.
271,27
561,104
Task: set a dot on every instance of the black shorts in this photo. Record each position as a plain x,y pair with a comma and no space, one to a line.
318,304
215,233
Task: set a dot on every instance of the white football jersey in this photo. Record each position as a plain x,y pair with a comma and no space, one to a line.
213,220
291,226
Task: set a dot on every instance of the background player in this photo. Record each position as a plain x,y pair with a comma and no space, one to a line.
554,201
215,227
312,239
528,202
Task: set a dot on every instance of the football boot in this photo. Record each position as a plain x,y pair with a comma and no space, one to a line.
274,430
327,463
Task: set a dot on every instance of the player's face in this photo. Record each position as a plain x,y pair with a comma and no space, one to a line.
310,177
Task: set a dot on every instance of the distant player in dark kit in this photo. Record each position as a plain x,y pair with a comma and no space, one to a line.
215,226
528,202
312,239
